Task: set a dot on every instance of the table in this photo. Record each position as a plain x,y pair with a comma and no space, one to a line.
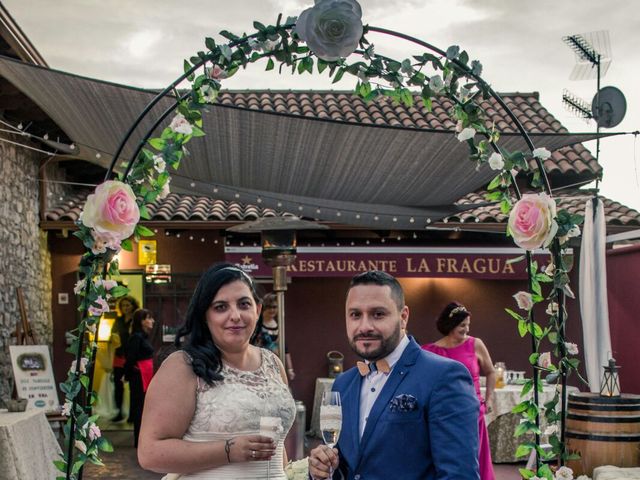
322,385
502,424
28,446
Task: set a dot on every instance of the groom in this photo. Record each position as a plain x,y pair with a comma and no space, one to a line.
407,413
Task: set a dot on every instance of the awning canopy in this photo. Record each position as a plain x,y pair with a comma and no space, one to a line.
378,176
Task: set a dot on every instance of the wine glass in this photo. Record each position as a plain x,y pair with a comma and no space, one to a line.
330,419
270,427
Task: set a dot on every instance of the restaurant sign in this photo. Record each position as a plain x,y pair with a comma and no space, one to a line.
433,262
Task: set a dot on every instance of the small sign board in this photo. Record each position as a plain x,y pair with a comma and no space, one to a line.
33,374
147,250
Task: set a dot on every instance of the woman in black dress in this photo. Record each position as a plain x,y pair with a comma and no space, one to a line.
122,329
139,365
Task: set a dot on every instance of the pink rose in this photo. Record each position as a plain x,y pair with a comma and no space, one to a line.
94,432
98,307
111,211
217,72
524,300
180,124
532,221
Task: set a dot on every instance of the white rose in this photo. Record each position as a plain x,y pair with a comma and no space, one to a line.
466,134
564,473
269,45
541,153
331,28
436,84
551,429
180,124
572,348
159,164
544,360
552,308
496,162
79,287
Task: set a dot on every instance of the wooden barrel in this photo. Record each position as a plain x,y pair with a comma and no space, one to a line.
603,431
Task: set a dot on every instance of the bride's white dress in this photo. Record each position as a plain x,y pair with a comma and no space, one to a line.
233,407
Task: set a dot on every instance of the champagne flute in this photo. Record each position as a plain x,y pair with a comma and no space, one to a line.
330,419
270,427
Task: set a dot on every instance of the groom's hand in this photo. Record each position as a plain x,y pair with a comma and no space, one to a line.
322,462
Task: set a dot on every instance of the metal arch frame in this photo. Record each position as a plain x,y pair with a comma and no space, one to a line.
546,184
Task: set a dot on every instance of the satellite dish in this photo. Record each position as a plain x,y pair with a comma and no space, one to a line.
609,107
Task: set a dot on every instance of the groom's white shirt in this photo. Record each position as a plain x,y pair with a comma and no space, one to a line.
373,383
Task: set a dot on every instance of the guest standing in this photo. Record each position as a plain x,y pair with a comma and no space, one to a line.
267,331
457,344
139,365
122,329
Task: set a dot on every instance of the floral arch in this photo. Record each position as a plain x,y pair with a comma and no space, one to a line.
320,40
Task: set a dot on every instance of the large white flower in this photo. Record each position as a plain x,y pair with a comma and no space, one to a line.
436,83
331,28
541,153
466,134
496,162
524,300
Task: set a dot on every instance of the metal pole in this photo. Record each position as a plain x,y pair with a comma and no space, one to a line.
280,286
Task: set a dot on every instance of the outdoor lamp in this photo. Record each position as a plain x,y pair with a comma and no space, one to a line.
104,329
610,386
278,238
336,360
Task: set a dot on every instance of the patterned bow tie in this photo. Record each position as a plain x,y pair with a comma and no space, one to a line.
366,368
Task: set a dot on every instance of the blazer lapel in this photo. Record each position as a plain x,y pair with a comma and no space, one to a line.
396,377
351,413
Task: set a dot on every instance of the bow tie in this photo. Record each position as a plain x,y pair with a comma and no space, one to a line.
366,368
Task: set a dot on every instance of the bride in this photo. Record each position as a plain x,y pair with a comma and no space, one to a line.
203,408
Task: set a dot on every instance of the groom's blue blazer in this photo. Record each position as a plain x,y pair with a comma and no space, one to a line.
434,436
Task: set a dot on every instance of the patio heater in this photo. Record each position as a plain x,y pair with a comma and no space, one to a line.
278,238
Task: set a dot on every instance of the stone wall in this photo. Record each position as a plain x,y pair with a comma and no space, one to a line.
24,258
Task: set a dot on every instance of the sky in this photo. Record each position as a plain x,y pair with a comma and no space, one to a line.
519,42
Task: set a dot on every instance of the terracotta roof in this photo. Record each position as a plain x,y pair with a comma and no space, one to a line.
173,208
178,207
347,107
572,200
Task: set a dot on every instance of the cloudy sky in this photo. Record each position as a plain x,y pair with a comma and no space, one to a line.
519,42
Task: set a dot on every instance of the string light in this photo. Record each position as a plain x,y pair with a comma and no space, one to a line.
177,235
202,239
215,241
190,237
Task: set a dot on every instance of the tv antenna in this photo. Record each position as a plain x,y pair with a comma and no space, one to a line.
593,58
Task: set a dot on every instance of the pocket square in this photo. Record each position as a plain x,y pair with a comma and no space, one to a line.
403,403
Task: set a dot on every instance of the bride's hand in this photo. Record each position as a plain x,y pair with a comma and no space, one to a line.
248,448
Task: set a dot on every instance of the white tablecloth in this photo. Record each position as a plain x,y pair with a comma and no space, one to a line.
504,399
28,446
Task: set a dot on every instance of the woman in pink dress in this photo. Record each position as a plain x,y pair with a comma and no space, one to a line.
456,344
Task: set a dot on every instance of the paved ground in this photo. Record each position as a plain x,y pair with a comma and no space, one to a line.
123,464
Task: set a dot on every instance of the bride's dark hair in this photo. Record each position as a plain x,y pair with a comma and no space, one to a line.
199,345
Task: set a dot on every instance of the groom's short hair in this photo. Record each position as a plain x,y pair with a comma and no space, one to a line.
377,277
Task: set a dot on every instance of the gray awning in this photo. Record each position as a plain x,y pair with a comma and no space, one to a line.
371,175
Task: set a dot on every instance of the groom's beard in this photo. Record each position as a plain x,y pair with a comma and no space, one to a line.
387,345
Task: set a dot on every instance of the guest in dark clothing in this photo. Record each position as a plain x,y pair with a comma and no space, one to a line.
139,365
122,329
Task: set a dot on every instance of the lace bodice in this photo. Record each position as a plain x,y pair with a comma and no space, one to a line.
233,407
